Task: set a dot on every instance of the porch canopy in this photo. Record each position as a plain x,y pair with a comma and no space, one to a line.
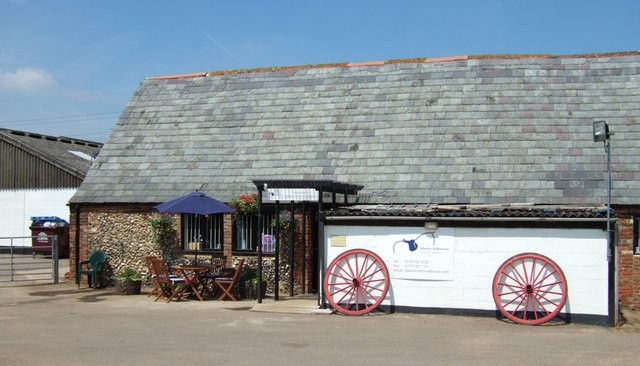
293,190
321,186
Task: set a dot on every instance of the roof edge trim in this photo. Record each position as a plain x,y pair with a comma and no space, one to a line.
392,61
366,63
179,76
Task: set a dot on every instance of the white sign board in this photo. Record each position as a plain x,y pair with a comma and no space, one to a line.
428,256
292,194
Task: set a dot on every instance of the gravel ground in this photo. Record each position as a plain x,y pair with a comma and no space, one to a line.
63,325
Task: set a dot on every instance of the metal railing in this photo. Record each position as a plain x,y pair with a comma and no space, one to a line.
16,266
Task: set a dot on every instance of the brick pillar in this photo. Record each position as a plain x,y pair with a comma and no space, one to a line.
227,246
629,263
84,251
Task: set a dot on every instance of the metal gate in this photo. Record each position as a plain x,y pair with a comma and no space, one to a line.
19,264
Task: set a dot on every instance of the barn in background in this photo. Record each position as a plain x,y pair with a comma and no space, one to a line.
38,176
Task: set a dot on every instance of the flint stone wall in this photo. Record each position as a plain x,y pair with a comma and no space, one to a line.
124,233
125,237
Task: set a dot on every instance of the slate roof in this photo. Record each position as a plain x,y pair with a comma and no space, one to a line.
458,130
71,155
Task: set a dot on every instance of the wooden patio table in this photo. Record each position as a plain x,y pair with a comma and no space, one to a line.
192,275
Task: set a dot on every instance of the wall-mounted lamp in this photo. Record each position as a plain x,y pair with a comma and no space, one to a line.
430,226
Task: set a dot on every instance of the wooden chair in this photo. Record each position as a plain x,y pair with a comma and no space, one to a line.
93,267
215,269
218,264
169,287
226,284
151,273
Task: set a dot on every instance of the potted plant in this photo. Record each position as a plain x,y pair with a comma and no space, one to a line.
249,284
128,281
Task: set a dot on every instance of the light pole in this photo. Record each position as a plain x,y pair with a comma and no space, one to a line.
601,134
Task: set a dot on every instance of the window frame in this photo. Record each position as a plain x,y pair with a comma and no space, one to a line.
190,229
240,227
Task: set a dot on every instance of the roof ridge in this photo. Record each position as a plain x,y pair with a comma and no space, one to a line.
390,62
546,55
62,139
10,136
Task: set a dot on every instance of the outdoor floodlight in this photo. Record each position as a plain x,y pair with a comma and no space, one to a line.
431,226
600,131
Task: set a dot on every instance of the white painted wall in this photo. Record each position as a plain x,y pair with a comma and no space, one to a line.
478,252
17,207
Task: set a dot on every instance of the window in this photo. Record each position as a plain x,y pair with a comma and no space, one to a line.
244,229
636,234
210,228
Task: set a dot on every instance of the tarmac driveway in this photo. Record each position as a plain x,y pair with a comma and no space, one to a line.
61,325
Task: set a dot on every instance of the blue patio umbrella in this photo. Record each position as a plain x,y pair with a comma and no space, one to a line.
194,203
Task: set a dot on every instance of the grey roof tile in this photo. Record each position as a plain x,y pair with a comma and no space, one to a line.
481,130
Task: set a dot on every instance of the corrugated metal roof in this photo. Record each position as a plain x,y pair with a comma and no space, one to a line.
32,160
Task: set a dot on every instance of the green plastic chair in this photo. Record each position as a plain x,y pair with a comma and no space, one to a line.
94,266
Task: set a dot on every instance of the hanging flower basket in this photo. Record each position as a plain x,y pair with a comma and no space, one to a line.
244,205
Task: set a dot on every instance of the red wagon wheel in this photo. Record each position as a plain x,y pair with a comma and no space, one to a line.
529,289
356,282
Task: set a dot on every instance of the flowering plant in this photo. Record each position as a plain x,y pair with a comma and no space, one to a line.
284,224
164,232
244,205
161,223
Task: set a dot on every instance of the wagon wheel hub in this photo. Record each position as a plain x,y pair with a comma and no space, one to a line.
529,289
356,282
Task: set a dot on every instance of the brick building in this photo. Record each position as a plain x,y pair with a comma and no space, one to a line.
498,131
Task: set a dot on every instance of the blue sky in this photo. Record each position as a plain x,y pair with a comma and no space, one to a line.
68,67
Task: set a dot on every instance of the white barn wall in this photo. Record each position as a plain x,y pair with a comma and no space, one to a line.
18,206
478,252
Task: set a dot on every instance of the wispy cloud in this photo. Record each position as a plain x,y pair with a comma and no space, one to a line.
26,79
221,46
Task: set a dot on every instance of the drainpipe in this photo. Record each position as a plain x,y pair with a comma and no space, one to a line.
77,244
612,247
258,236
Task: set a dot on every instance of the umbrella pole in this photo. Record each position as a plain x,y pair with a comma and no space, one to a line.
195,261
201,224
